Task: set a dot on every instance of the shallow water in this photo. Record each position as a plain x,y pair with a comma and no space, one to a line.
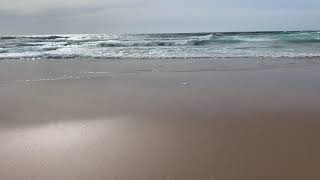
19,71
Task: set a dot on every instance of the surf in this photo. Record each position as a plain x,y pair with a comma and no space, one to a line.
175,45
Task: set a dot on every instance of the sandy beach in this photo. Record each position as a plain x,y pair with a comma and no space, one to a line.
217,119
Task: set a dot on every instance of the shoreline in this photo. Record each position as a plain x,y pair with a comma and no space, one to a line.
71,69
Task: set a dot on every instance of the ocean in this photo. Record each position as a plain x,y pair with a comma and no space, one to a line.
155,46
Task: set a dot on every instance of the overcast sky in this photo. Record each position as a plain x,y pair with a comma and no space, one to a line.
141,16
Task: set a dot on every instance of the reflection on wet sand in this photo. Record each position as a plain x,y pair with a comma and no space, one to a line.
217,125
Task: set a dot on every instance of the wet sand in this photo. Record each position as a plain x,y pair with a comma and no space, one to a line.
213,119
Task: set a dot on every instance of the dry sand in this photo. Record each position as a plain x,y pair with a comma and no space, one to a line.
160,120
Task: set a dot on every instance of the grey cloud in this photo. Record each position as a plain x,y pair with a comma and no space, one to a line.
126,16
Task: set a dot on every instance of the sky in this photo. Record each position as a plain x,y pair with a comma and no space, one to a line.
154,16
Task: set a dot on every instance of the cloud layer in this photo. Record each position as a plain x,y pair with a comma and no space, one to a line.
125,16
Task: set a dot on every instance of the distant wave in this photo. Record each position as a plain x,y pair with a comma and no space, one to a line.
27,44
142,44
201,40
214,39
297,41
50,48
47,37
8,37
33,37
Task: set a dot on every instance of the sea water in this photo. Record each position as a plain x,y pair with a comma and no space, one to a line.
155,46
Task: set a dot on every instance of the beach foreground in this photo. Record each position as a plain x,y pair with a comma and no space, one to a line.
213,119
